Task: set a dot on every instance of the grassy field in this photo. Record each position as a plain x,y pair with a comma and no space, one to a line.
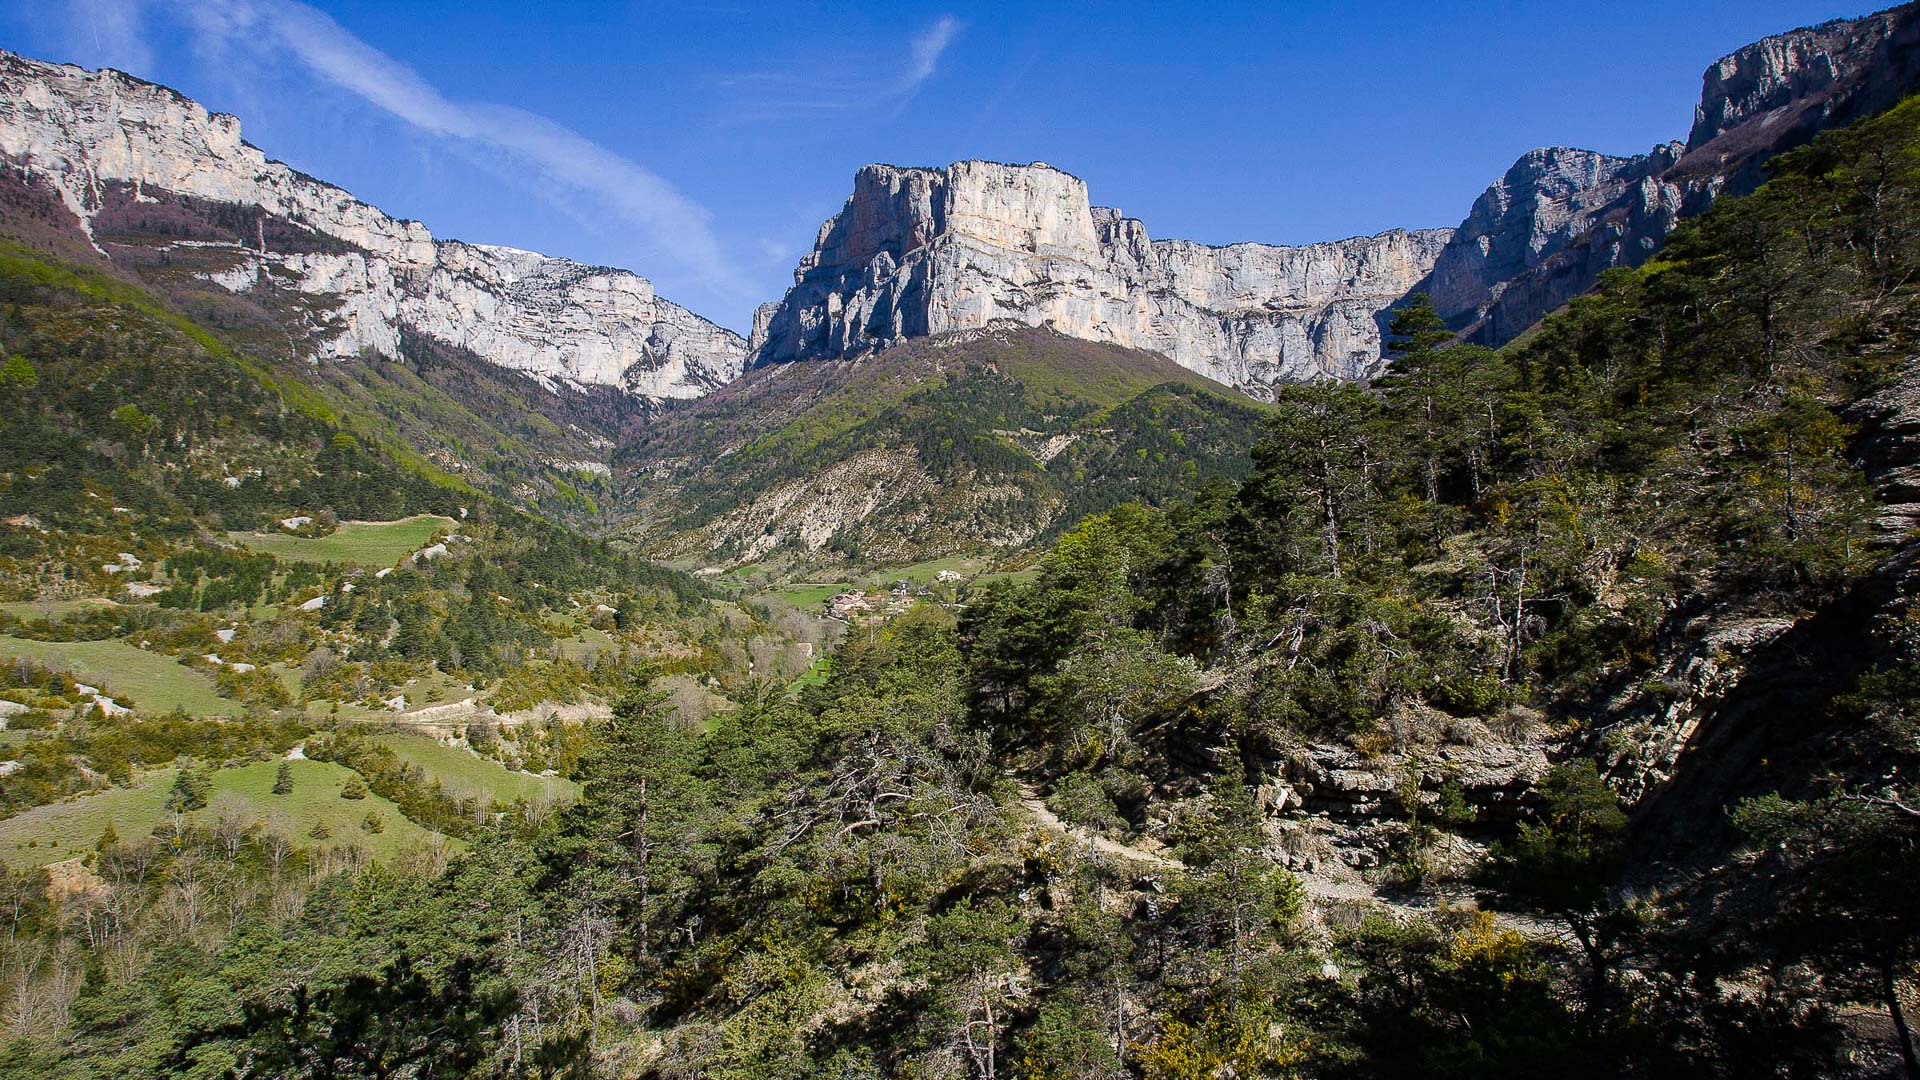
367,543
809,594
1018,577
813,676
463,772
56,609
153,682
585,643
64,830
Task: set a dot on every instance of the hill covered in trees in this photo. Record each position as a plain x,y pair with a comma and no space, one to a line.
984,441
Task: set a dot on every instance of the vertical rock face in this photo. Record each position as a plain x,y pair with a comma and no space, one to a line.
1543,233
923,251
107,144
1782,90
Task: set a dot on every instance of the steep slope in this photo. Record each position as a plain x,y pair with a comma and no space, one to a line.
128,158
924,251
977,440
1559,218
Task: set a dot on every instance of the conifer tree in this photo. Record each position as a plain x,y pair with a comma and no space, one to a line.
190,790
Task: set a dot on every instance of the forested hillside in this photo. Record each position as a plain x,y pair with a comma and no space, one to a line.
1547,711
980,442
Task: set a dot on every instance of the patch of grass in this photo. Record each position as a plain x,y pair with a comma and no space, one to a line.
53,609
923,573
585,644
811,594
153,682
463,772
365,543
65,830
813,676
1016,577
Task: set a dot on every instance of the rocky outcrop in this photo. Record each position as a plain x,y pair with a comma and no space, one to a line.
917,252
1781,91
1887,447
107,143
1545,232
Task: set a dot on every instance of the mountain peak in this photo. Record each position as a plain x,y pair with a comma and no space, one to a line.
920,251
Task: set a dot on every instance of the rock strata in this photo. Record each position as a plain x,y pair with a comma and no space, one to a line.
103,141
1546,230
918,252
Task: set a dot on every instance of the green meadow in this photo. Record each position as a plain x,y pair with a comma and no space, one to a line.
153,682
48,834
364,543
463,772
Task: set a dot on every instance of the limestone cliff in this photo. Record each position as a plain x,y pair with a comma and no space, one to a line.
917,252
1545,232
109,144
1781,91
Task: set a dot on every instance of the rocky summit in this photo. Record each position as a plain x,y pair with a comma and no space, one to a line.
920,251
917,252
1545,232
924,251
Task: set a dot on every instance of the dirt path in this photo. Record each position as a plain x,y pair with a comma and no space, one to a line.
1030,799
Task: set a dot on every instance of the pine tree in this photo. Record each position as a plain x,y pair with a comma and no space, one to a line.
354,788
18,371
624,842
190,790
1435,389
283,779
1236,895
1566,863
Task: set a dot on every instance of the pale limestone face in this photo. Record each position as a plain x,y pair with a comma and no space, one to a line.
551,318
925,251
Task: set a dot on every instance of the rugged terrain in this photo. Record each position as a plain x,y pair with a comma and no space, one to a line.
1454,711
127,156
1545,232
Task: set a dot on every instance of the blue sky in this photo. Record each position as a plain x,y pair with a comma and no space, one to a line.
701,144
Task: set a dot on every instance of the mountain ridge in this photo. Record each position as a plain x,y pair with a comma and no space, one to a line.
962,253
1760,100
100,140
979,440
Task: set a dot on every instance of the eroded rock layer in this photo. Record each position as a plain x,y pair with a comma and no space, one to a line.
1545,232
110,145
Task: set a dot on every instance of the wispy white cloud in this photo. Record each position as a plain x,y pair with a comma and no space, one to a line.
563,166
107,33
927,48
800,92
